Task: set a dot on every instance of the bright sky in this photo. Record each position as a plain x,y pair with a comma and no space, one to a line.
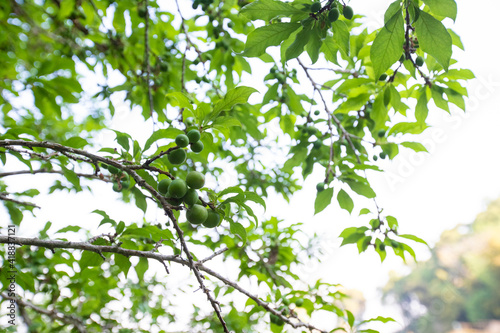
428,193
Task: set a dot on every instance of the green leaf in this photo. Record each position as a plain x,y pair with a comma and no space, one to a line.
380,249
350,318
120,227
392,221
447,8
140,199
252,196
353,238
460,74
330,49
232,189
379,318
180,100
268,9
345,201
314,44
72,177
434,39
341,35
393,8
235,96
422,109
101,212
239,230
141,268
408,128
43,232
364,211
388,45
414,238
90,259
270,35
70,228
123,263
361,188
323,199
123,139
75,142
456,39
416,146
297,47
379,111
169,133
276,328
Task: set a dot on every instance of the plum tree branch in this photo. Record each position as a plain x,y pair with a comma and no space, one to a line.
55,315
94,159
43,170
345,133
3,197
86,246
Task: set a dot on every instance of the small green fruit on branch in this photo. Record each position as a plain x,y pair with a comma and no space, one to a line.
315,7
419,61
348,12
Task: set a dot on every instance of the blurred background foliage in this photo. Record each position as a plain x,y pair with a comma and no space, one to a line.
458,287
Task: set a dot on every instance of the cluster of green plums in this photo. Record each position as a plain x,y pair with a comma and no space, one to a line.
192,139
334,12
121,181
285,311
178,191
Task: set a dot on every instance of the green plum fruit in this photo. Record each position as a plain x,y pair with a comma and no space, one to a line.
333,15
197,214
315,7
213,219
197,147
174,201
348,12
182,140
194,136
195,179
191,197
419,61
163,186
116,187
177,189
177,156
113,170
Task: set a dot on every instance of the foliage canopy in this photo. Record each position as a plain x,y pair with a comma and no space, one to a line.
186,70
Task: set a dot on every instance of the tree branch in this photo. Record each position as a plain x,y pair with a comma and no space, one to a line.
3,196
345,133
55,315
94,159
57,244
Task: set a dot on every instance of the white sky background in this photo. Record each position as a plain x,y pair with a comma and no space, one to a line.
428,193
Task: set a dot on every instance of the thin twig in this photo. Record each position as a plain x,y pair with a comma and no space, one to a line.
215,254
3,196
345,134
146,60
55,315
